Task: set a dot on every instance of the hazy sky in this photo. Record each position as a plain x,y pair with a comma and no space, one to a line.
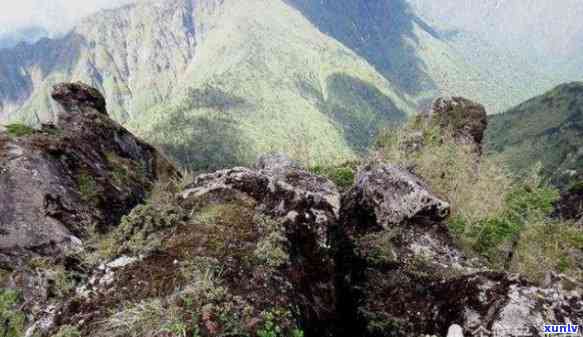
55,15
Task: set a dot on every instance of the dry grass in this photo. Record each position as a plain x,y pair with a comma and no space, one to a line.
475,187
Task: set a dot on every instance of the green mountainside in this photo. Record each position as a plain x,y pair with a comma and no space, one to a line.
217,82
546,129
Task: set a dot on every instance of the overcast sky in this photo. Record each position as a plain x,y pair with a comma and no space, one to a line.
55,15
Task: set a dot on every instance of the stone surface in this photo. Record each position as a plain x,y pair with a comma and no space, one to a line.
467,119
306,204
59,183
402,273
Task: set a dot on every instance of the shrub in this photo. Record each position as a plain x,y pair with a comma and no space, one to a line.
272,248
492,211
87,187
138,231
278,323
19,130
475,187
343,175
547,246
13,320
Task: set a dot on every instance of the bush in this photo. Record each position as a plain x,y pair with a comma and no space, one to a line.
475,187
13,320
19,130
493,213
547,246
343,175
137,232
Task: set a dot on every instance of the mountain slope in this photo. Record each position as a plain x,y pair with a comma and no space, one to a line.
216,82
258,72
428,60
27,35
546,129
545,34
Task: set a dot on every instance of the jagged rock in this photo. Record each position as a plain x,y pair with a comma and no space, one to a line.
306,204
75,97
303,200
468,120
570,205
401,273
58,183
395,196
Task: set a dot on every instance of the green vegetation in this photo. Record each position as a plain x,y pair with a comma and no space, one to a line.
546,129
13,320
342,175
138,231
272,248
494,214
87,187
271,328
19,130
62,282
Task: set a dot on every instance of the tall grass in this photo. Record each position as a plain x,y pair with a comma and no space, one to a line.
503,218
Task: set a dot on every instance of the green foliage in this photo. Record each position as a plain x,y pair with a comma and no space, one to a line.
139,231
272,327
19,130
377,247
494,236
342,175
87,187
272,248
546,129
62,282
548,245
13,320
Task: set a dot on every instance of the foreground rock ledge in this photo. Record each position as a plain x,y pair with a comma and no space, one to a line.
60,182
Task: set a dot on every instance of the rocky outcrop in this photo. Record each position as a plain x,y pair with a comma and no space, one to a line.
401,275
242,244
307,205
467,120
464,119
270,251
570,205
61,182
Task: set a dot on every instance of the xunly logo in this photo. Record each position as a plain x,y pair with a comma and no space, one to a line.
561,329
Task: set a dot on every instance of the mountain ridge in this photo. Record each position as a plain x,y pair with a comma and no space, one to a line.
546,129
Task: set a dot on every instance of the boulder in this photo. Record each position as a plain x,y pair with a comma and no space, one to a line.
307,205
570,205
401,275
467,119
59,183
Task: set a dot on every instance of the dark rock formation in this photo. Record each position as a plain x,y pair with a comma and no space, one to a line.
570,206
400,275
59,183
271,251
468,120
307,205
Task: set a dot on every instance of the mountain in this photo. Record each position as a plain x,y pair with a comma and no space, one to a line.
213,81
546,34
27,35
546,129
216,82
